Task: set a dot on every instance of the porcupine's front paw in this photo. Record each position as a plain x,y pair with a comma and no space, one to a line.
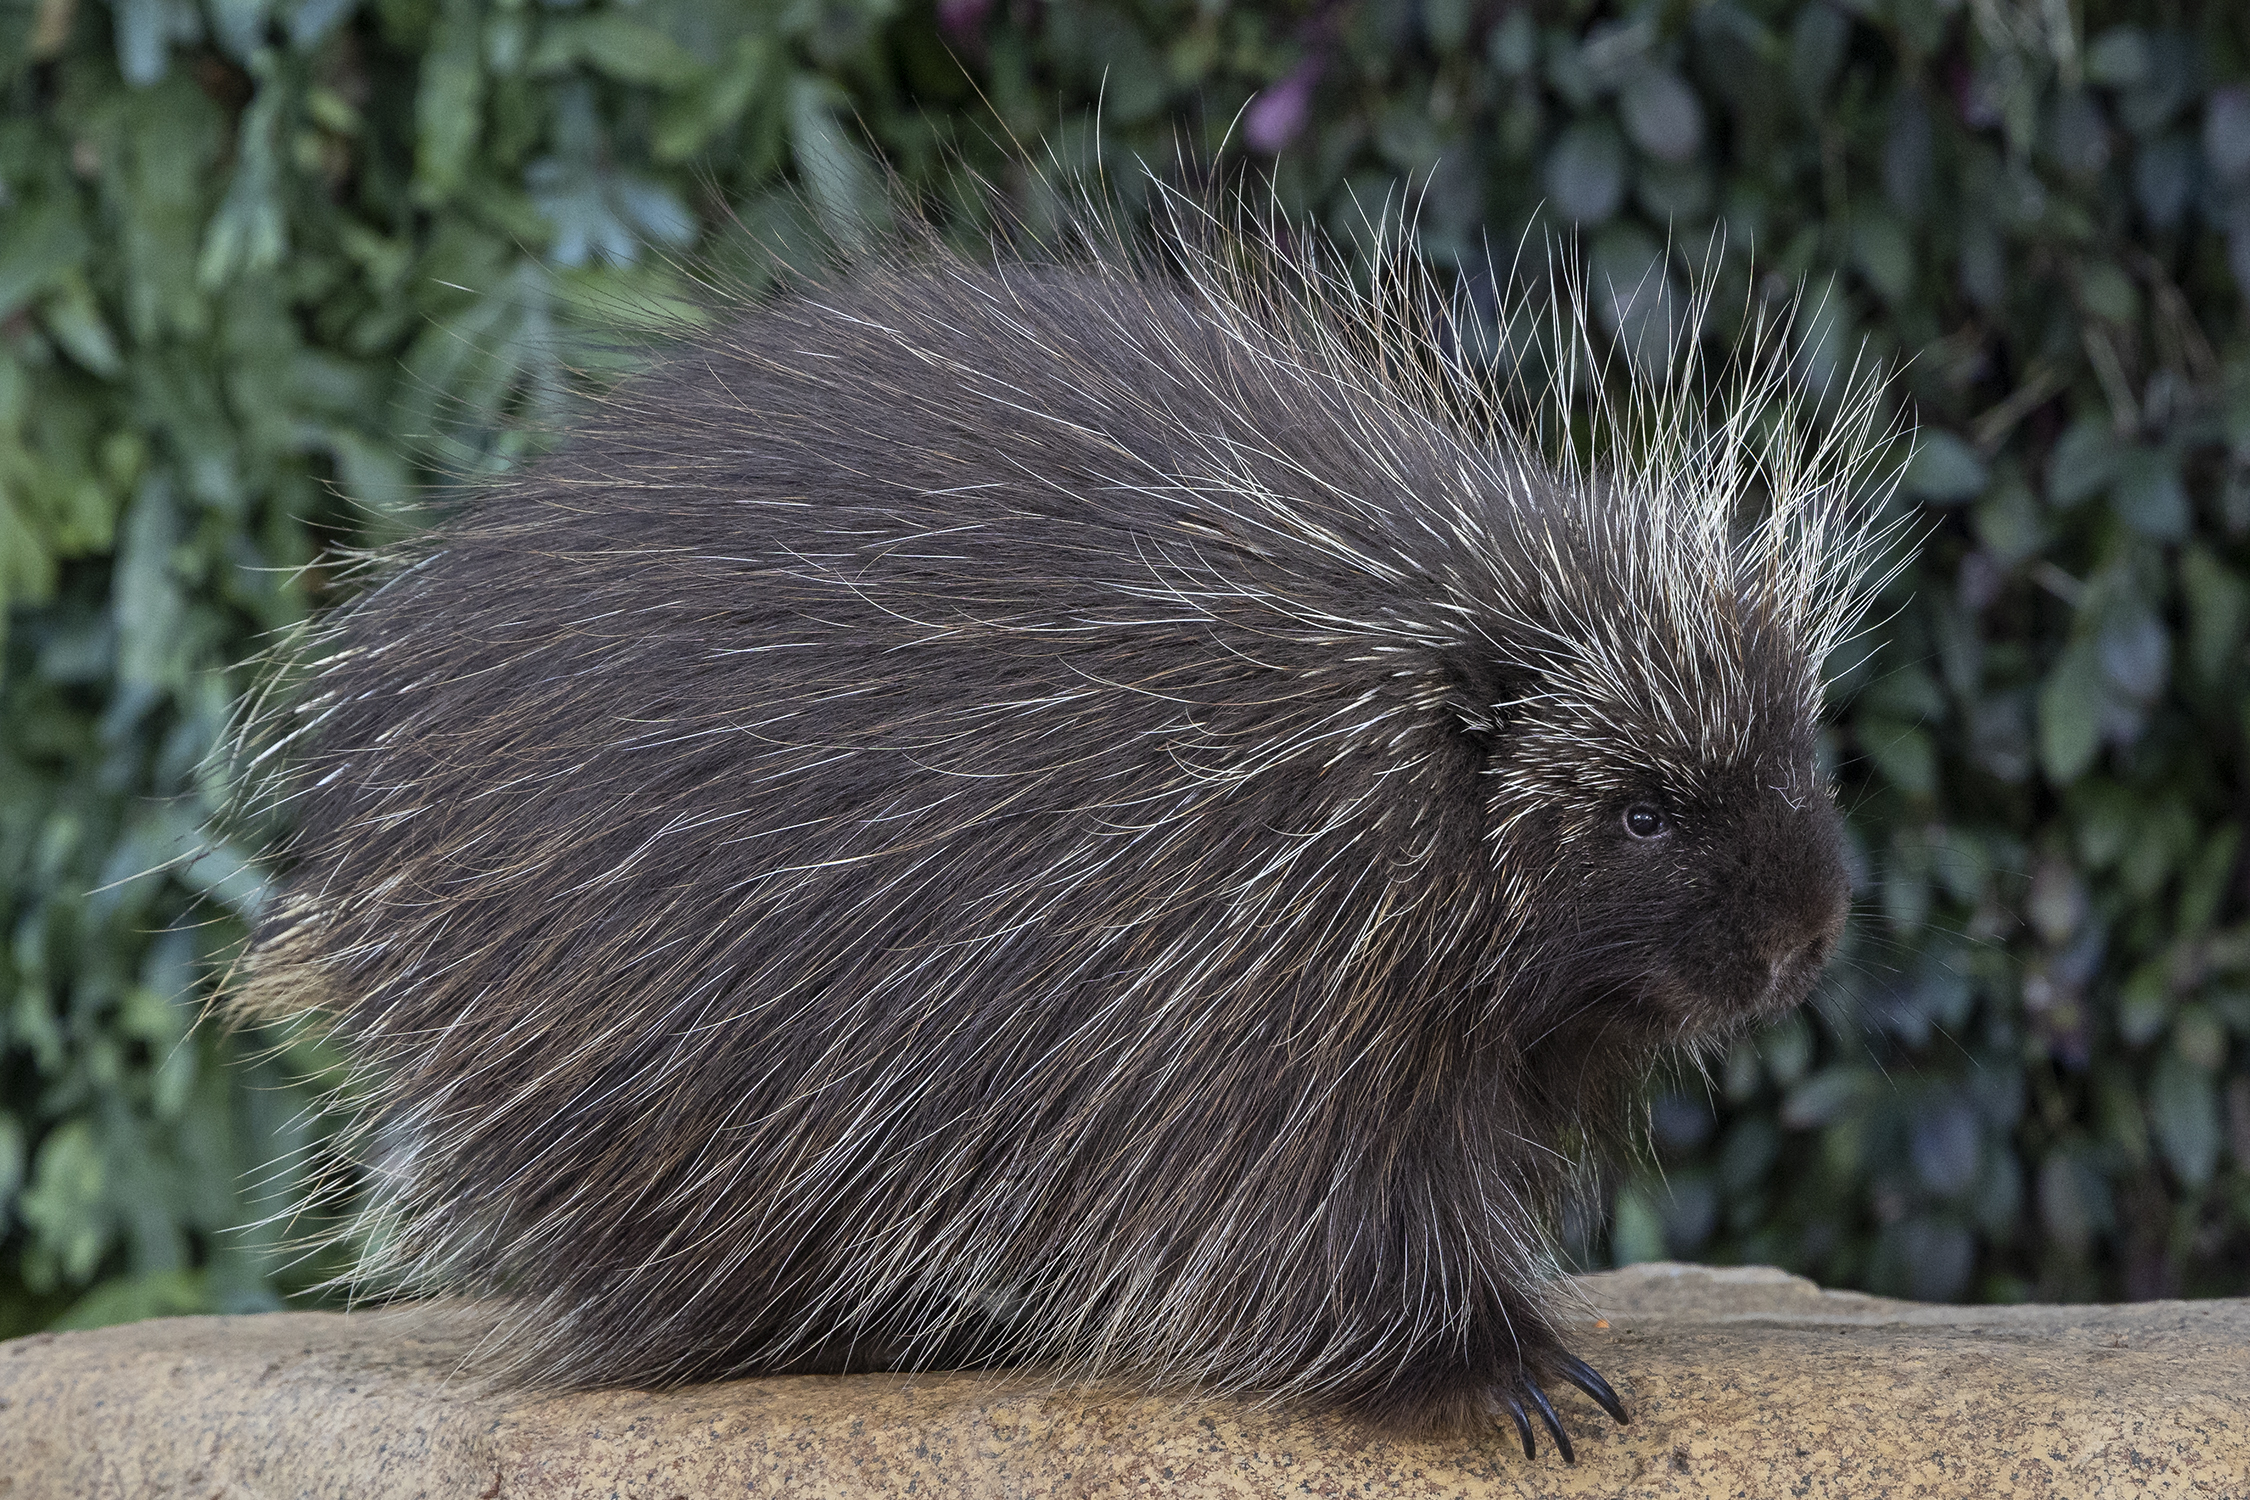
1521,1397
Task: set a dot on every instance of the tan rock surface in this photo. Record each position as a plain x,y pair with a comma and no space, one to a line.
1742,1383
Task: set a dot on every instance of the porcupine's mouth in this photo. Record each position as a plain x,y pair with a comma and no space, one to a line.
1790,979
1676,1007
1667,1000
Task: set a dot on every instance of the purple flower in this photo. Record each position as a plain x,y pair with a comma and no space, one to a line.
962,21
1278,114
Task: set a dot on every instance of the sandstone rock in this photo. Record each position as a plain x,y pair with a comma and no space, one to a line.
1741,1382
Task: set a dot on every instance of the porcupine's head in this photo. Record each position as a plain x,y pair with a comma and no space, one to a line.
1646,681
1653,780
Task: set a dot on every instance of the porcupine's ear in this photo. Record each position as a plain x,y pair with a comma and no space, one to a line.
1475,686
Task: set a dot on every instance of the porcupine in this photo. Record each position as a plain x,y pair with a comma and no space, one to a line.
1124,814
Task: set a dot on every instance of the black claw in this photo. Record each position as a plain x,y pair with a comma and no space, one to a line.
1583,1375
1523,1423
1554,1423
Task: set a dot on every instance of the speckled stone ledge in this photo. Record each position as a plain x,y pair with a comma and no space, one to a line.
1743,1383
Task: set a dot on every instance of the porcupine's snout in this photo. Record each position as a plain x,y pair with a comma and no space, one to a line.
1792,964
1791,900
1743,903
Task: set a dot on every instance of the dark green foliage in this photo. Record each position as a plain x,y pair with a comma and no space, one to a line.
268,267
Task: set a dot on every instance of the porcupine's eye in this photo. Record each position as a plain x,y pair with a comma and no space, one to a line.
1645,822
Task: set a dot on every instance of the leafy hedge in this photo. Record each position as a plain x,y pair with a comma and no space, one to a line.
269,266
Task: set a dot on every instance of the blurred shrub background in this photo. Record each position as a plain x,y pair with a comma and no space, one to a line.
268,266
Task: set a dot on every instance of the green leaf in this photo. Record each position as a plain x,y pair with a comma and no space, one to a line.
2156,849
63,1207
2144,1005
2200,1038
2218,602
694,116
1908,694
2070,714
227,875
2108,293
1409,139
169,143
1827,1096
1904,755
2105,816
1662,115
1944,470
239,25
2135,651
845,188
1816,49
2203,884
449,105
616,45
1786,1049
2083,463
149,606
1671,194
1586,172
2009,524
42,245
2074,1201
1514,44
310,21
75,320
2119,57
2148,495
159,1294
373,474
1447,23
145,30
2183,1110
1113,55
11,1160
1885,254
1962,864
1637,1235
249,233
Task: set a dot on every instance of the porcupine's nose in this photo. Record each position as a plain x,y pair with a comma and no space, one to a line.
1783,964
1793,962
1786,968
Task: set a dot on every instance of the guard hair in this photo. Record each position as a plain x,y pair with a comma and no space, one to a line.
1138,811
